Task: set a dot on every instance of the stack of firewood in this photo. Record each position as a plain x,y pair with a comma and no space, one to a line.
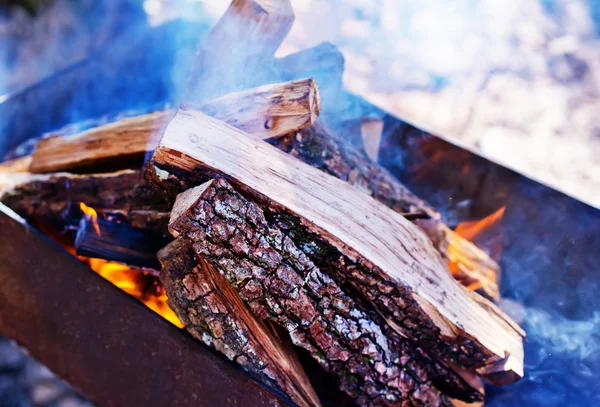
270,231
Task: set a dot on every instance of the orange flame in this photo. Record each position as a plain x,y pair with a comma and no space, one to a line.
134,282
458,259
469,230
92,214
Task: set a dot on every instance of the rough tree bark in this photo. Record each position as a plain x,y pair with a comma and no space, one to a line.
389,261
327,151
214,314
55,197
280,283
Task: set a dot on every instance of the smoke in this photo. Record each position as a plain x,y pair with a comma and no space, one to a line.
563,337
551,254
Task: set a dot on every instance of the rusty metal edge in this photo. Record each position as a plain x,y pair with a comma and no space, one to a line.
106,344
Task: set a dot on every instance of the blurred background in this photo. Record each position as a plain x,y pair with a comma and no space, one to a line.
517,81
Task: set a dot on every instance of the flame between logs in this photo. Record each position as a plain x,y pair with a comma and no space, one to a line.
472,230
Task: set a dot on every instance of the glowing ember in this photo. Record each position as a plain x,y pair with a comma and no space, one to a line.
92,214
136,283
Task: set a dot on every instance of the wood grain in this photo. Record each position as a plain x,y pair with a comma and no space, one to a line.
267,111
366,232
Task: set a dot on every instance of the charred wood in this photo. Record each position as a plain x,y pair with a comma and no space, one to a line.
56,198
267,111
119,242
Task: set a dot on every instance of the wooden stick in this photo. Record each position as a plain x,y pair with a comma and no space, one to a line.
371,131
279,282
214,314
103,239
391,262
266,112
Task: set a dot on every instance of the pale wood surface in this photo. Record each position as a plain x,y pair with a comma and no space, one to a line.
358,226
266,112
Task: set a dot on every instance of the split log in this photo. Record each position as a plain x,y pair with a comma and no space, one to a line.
469,264
214,314
239,50
20,164
388,260
278,282
119,242
251,27
266,112
56,198
326,150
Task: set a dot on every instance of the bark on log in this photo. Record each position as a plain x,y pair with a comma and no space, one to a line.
266,112
280,283
325,150
55,198
388,260
103,239
214,314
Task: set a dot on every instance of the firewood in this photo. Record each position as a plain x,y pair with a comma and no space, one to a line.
20,164
239,50
56,197
326,150
252,27
266,112
315,146
214,314
389,261
119,242
277,281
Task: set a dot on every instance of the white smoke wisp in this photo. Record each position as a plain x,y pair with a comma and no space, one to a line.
574,338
